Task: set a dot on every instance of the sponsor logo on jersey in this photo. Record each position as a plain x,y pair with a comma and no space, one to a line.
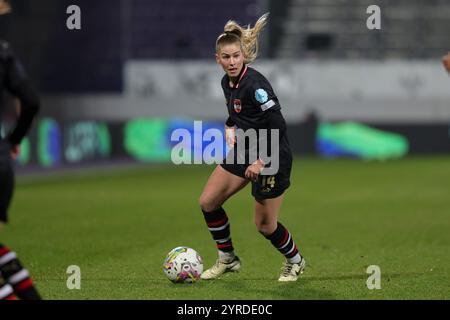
269,104
261,95
237,105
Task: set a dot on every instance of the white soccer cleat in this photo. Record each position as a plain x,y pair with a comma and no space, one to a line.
291,271
220,268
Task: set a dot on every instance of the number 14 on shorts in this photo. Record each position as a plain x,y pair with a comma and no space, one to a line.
268,181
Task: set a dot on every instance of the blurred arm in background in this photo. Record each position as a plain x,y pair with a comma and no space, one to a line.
5,7
446,62
17,83
15,149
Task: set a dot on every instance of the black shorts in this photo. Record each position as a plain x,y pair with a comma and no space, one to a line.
6,180
266,187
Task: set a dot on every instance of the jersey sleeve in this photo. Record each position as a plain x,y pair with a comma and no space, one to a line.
262,95
230,122
18,84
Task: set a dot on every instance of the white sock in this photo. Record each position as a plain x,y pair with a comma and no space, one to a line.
295,259
226,256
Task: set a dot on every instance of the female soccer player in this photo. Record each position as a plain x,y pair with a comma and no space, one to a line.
252,104
446,62
14,279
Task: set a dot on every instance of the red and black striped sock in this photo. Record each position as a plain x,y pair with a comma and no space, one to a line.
6,291
219,227
18,277
282,240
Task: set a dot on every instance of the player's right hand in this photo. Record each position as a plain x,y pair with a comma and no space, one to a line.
446,62
230,136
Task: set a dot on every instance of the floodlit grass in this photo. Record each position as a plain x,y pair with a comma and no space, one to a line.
344,215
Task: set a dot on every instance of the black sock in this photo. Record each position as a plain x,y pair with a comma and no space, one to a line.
16,276
6,291
219,227
282,240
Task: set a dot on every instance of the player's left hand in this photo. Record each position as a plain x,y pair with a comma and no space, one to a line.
446,62
15,151
254,170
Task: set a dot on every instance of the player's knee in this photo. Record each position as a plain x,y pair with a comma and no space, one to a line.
265,227
207,203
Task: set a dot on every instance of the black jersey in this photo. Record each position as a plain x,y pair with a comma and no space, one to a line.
252,104
248,99
14,80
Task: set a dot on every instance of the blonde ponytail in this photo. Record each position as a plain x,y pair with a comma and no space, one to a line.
248,37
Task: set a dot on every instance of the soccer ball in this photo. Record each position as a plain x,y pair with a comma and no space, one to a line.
183,265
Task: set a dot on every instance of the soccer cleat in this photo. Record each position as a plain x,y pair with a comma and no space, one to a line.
291,271
220,268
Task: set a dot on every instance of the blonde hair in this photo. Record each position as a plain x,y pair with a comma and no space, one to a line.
247,37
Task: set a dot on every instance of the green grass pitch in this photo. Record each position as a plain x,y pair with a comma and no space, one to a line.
345,215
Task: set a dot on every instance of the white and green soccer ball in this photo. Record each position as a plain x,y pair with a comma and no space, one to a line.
183,265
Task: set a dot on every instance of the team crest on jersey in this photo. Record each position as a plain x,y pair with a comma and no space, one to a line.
237,105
